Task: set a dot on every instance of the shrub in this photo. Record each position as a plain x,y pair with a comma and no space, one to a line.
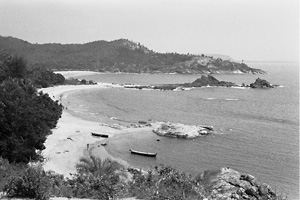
163,183
96,178
7,170
33,182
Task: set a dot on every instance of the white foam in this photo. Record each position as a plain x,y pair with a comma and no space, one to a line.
240,87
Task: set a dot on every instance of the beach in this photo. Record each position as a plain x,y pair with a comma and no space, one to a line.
72,139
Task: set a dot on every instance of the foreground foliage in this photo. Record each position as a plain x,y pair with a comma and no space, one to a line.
106,179
164,183
32,182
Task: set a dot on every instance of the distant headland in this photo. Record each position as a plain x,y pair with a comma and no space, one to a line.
120,56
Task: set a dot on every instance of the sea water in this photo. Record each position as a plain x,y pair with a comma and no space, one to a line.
257,130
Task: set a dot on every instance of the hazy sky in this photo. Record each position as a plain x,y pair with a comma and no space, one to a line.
242,29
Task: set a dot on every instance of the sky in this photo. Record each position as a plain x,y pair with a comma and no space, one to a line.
252,30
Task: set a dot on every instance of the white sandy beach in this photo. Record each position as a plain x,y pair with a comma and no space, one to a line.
74,74
69,140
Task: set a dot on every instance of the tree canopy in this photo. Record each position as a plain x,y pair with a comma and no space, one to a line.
26,116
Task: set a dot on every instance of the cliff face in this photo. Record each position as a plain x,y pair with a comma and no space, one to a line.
118,56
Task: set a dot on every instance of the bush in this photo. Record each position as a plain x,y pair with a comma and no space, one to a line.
96,178
33,182
7,170
163,183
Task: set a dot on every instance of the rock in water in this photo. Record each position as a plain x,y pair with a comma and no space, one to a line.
227,183
211,81
177,130
261,83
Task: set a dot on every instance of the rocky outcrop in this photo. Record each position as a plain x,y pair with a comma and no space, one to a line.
177,130
261,83
227,183
203,81
211,81
208,80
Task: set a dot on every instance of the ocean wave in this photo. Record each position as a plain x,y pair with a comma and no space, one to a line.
238,87
283,86
231,99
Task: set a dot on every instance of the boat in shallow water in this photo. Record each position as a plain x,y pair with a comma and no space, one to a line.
143,153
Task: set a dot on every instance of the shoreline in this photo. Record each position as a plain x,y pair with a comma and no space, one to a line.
71,139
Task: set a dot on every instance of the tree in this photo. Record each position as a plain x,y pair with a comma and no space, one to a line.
97,179
42,77
26,118
97,167
12,67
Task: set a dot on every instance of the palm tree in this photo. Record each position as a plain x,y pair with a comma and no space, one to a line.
98,168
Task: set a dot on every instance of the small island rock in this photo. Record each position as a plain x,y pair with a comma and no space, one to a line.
261,83
211,81
178,130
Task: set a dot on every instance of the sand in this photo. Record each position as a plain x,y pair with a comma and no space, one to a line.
69,74
72,139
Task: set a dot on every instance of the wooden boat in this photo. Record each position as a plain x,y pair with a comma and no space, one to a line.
143,153
99,135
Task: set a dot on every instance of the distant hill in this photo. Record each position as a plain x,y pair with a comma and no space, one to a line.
118,56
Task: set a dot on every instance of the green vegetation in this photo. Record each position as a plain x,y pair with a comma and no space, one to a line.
42,78
26,116
75,81
164,183
97,179
117,56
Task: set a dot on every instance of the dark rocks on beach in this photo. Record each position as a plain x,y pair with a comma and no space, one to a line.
261,83
227,183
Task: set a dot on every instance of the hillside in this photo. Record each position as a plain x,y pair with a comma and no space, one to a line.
118,56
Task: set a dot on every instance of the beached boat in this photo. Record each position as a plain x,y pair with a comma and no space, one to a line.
99,135
143,153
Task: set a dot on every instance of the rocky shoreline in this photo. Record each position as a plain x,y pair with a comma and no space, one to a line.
203,81
227,183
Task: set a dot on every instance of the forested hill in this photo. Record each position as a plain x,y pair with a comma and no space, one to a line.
118,56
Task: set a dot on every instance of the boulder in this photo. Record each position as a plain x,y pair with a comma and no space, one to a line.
227,183
177,130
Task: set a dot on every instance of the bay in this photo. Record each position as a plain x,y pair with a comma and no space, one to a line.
257,130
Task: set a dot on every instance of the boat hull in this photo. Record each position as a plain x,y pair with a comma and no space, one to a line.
143,153
99,135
